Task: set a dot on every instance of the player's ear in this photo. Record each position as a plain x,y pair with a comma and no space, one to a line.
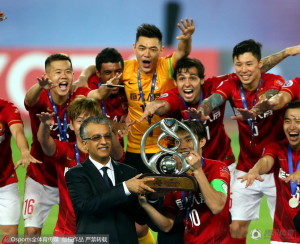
97,73
260,64
202,81
202,142
71,125
175,83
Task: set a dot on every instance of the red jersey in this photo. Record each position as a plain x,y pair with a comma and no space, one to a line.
64,159
217,146
9,115
283,229
254,137
115,107
45,173
202,226
293,88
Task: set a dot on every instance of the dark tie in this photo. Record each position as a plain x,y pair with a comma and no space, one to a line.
105,177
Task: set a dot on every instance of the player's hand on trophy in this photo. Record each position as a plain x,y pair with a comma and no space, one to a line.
194,160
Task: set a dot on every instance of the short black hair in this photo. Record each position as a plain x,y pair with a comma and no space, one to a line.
108,55
186,63
293,104
57,57
250,45
196,127
148,30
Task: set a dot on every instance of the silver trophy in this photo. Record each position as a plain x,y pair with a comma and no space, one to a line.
166,171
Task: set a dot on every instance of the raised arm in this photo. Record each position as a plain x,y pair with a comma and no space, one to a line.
17,131
274,100
43,135
274,59
84,76
263,166
184,48
33,94
158,107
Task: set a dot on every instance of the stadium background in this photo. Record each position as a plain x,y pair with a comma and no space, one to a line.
34,29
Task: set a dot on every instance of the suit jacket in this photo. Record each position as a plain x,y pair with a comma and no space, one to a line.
100,209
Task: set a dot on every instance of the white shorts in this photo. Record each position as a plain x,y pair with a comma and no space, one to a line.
38,201
231,168
246,201
10,205
280,242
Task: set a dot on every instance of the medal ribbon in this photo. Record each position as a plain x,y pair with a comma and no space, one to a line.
244,101
102,102
151,92
186,107
61,128
77,157
291,170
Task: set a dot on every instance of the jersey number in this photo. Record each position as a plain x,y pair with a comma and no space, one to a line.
194,217
255,131
207,132
29,206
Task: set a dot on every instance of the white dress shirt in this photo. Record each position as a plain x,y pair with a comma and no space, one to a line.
110,173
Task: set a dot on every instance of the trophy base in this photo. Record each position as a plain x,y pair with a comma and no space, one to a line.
171,182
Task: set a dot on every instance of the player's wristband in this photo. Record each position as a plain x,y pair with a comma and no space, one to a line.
220,186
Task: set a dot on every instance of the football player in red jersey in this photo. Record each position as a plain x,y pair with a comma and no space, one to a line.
284,158
244,90
205,212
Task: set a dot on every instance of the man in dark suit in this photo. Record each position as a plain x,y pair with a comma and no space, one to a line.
103,192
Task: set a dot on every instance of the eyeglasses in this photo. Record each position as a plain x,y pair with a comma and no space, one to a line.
98,137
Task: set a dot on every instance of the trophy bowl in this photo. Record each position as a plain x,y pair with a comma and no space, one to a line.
168,165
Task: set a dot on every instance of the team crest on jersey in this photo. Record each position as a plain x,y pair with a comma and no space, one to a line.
288,83
279,82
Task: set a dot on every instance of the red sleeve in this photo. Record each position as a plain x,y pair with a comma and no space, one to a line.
12,114
271,82
293,88
84,91
93,82
173,98
225,88
220,171
271,150
60,152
